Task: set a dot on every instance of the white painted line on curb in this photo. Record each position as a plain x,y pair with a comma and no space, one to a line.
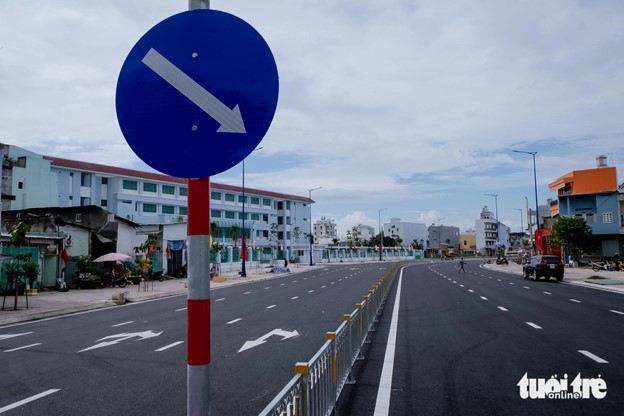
24,347
166,347
123,323
531,324
593,357
382,405
28,400
233,321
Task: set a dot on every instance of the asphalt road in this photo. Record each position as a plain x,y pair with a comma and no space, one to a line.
131,360
465,341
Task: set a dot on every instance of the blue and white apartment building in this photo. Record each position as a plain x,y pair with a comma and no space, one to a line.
272,219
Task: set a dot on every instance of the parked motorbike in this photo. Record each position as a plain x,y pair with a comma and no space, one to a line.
119,276
600,266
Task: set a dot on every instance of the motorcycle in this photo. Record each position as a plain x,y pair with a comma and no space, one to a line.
600,266
119,276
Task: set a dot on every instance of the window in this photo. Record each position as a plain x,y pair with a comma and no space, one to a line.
168,190
85,179
607,218
215,195
183,191
255,200
104,203
280,205
150,187
241,216
150,208
266,202
130,185
229,197
255,217
230,215
167,209
78,217
265,218
242,199
85,201
104,181
183,210
215,213
20,185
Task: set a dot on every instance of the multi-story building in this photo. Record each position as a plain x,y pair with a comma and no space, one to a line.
30,180
468,242
490,233
442,239
594,195
407,232
361,233
324,231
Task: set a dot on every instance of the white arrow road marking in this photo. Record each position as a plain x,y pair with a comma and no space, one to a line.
7,336
262,339
28,400
122,337
231,121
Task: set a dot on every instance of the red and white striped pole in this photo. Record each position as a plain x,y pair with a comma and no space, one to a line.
198,300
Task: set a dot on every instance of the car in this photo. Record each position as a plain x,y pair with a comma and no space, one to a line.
543,266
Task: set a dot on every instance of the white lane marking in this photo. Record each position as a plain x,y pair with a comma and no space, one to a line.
333,283
511,283
219,300
593,357
483,297
323,287
574,300
24,347
454,282
382,405
294,281
470,290
268,287
7,336
311,291
233,321
166,347
124,323
531,324
526,287
489,277
614,311
246,293
27,400
461,285
181,309
547,293
271,306
282,284
499,280
502,309
294,297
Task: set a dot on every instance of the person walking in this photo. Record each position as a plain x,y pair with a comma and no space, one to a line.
461,266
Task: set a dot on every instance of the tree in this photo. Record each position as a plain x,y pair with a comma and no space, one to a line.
21,268
575,235
234,231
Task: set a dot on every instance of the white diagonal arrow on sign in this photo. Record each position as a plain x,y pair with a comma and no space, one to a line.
262,339
117,338
231,120
7,336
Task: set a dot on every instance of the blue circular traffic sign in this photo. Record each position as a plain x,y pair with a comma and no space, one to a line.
197,93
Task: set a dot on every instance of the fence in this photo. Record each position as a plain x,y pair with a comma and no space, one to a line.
317,384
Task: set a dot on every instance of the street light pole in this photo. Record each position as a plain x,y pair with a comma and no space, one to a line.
521,221
534,184
380,234
311,236
243,242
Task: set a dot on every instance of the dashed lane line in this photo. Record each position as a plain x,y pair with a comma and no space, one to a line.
575,300
614,311
593,357
180,310
233,321
23,347
502,309
531,324
166,347
271,306
27,400
547,293
294,297
123,323
220,299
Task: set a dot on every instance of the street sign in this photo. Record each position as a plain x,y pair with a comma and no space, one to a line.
197,93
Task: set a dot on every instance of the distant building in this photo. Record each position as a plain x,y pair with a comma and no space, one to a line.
443,239
324,231
407,232
468,242
360,233
490,235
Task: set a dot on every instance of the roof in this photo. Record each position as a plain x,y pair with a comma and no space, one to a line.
587,181
116,171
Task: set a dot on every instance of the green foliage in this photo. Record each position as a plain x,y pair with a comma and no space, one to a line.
151,242
575,235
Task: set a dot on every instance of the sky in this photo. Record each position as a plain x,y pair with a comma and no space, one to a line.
409,107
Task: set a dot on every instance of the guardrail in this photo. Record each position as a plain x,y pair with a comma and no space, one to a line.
317,384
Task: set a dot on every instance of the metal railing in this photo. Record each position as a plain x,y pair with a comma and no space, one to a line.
317,384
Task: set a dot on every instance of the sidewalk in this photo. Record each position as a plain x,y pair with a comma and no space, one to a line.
604,280
52,303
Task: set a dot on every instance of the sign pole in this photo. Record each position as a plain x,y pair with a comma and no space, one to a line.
198,299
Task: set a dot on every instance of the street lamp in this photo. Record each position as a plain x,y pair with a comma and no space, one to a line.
243,242
311,237
497,224
534,184
380,234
